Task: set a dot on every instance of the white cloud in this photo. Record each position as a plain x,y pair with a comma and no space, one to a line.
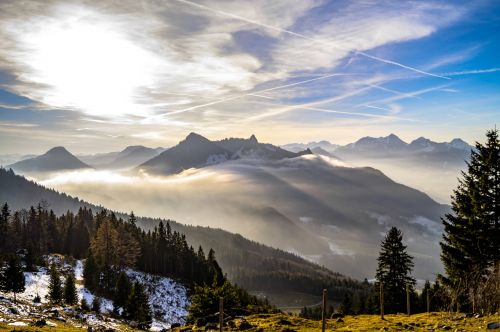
179,64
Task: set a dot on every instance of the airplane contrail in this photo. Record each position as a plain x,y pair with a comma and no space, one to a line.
271,27
324,110
249,94
471,72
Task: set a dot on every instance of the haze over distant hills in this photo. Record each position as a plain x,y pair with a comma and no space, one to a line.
429,166
129,157
391,146
310,204
56,159
250,264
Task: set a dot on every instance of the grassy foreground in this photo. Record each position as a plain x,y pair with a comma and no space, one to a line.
288,323
418,322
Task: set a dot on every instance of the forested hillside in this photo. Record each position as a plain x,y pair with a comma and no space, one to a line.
249,264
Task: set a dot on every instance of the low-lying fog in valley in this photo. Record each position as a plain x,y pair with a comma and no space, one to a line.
314,206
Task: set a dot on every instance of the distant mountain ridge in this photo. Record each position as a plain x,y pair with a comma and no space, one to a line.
455,151
196,151
131,156
56,159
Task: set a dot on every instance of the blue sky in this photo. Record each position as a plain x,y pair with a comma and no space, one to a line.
98,76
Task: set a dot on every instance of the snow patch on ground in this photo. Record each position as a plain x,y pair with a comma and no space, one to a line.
168,298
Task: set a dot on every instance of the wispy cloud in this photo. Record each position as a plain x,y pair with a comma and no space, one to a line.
175,66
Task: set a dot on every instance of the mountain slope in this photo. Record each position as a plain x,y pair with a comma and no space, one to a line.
237,256
56,159
193,151
251,148
132,156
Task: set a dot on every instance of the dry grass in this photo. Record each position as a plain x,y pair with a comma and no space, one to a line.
418,322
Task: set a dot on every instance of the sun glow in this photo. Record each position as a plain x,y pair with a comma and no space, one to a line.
89,66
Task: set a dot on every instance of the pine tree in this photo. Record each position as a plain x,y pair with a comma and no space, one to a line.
122,291
55,287
13,278
346,305
214,268
91,272
4,223
138,309
471,239
394,269
96,304
70,295
423,296
84,306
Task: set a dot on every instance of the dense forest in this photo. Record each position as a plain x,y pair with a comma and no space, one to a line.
111,245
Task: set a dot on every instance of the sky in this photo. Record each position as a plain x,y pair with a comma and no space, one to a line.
96,76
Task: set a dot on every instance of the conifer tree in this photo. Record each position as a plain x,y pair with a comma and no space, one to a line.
394,269
96,304
55,287
84,306
70,295
214,268
138,309
346,305
122,291
471,239
91,272
4,223
13,278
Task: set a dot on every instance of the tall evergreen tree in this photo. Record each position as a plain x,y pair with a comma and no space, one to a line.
346,305
13,278
91,272
4,223
471,239
138,309
394,270
55,287
122,291
69,293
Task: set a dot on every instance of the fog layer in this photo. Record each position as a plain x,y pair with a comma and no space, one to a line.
310,205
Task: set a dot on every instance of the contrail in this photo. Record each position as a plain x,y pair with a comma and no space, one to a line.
244,19
471,72
324,110
405,95
249,94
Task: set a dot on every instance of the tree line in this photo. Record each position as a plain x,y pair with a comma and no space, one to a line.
110,246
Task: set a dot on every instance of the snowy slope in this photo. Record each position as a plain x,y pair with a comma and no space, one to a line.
168,298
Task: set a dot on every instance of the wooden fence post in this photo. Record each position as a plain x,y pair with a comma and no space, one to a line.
408,300
381,300
221,314
323,314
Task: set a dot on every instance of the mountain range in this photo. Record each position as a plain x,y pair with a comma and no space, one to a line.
391,146
196,151
315,205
